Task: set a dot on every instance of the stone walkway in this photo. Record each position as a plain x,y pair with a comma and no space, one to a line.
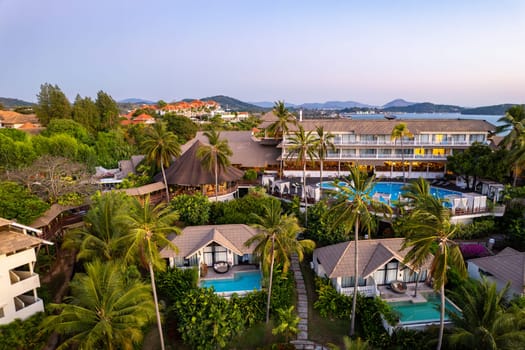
302,341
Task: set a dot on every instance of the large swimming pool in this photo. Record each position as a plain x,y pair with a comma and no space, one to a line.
245,281
426,312
390,191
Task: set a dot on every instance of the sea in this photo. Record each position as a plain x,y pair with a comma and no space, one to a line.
493,119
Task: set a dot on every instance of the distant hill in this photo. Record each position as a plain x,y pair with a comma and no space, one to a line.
137,101
14,102
488,110
268,105
334,105
425,107
398,102
232,104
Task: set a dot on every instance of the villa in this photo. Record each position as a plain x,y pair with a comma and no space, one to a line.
18,280
211,245
380,266
508,266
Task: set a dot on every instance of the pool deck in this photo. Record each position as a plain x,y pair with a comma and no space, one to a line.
390,296
212,275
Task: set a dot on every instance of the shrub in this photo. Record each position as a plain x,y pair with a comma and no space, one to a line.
192,209
23,334
174,283
471,251
478,229
250,175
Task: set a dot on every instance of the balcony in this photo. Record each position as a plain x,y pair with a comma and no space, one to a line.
27,306
23,281
410,143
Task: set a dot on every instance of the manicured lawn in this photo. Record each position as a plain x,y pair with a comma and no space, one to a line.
321,330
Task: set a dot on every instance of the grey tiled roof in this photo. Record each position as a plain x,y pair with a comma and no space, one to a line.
193,238
338,259
12,241
507,266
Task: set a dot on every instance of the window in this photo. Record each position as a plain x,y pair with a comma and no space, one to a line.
348,152
424,138
477,138
438,138
368,152
438,151
368,138
348,138
332,153
349,282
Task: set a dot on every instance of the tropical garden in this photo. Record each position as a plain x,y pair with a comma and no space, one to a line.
123,296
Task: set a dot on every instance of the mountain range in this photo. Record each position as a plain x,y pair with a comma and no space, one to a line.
395,106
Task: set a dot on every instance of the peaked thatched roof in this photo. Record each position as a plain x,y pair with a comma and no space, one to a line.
188,170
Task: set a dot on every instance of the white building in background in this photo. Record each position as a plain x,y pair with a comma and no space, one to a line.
18,280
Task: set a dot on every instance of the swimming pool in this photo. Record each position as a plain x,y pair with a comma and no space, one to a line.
393,190
245,281
419,313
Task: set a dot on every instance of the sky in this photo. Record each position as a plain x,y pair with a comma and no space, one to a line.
462,52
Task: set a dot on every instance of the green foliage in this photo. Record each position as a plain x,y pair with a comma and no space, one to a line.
85,112
19,335
516,233
69,127
478,229
71,198
136,180
174,284
14,154
182,126
250,175
52,104
239,211
208,321
330,303
283,286
14,134
402,339
193,209
17,203
287,323
321,226
107,110
111,147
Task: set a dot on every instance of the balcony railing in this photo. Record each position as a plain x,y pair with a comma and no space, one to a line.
449,143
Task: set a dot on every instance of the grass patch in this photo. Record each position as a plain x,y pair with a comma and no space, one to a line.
257,337
321,330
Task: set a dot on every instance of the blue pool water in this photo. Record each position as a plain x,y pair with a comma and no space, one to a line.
422,312
394,190
242,281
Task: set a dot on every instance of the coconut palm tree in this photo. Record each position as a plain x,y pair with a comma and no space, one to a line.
325,142
399,132
160,146
276,241
148,232
215,156
284,118
484,322
356,208
106,310
303,146
428,235
513,123
102,229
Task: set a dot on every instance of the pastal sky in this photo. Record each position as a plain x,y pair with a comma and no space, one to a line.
469,52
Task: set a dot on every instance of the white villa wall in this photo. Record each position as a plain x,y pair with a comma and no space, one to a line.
474,272
11,290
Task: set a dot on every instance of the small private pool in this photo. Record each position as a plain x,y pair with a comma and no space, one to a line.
412,315
242,282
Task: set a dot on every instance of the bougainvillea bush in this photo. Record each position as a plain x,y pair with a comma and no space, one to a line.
471,251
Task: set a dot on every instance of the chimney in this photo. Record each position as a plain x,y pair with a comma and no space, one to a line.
300,115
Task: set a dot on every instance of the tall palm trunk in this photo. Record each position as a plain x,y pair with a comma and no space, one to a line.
356,270
321,177
304,196
159,324
442,307
403,160
515,177
165,181
270,282
216,179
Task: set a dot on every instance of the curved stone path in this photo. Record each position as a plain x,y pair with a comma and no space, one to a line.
302,342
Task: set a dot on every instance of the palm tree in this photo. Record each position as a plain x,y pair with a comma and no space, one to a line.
160,146
102,229
284,118
399,132
325,142
276,241
513,123
215,156
303,146
148,230
484,323
357,208
105,310
351,344
428,230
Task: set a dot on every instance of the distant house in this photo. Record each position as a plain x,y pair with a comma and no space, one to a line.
18,280
14,120
380,263
506,266
210,244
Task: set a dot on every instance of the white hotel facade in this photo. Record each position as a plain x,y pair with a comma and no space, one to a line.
368,143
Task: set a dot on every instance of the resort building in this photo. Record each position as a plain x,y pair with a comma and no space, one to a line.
18,280
380,266
210,245
368,143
